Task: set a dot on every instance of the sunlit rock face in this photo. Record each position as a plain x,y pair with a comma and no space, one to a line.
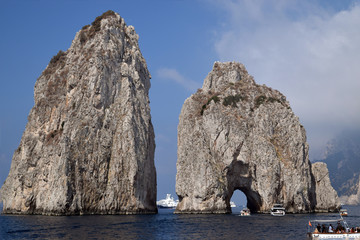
326,196
88,146
235,134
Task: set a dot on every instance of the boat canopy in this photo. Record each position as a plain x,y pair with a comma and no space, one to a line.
326,221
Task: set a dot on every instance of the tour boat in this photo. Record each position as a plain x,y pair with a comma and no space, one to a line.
245,212
168,202
232,204
340,230
277,210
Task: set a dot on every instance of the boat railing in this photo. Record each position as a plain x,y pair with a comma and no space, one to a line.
312,223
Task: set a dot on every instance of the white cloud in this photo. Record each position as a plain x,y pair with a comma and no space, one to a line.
173,75
309,53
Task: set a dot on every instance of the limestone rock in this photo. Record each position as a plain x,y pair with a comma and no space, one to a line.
88,146
326,196
235,134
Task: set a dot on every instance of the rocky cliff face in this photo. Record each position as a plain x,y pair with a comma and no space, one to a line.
88,147
342,157
234,134
354,197
326,196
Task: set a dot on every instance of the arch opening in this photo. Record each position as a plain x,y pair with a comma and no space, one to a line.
239,178
239,199
250,199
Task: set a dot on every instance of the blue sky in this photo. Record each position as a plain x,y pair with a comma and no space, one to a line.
308,50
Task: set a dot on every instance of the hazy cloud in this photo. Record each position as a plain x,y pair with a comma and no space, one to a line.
309,53
162,137
173,75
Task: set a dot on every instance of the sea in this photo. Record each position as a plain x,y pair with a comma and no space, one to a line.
165,225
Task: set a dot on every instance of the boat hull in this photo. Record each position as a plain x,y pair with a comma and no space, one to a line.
277,210
346,236
165,207
278,213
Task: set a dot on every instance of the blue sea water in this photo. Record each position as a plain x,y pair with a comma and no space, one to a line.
164,225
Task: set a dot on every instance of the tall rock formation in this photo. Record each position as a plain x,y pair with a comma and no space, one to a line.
234,134
88,146
326,196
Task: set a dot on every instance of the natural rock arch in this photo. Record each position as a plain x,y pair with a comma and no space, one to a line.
238,179
235,134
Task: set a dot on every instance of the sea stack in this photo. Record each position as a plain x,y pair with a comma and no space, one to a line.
234,134
326,196
88,146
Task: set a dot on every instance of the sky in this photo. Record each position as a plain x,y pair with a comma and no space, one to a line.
307,49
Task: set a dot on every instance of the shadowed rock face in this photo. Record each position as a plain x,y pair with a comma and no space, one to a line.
88,147
234,134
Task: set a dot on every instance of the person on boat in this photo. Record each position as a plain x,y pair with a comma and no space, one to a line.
339,227
331,229
318,227
323,229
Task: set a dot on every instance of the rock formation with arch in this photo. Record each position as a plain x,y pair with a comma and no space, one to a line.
235,134
88,146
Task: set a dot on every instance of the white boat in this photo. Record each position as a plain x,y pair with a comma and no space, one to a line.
232,204
245,212
168,202
343,212
277,210
320,229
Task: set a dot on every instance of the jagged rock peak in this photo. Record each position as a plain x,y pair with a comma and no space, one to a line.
224,74
108,21
234,134
88,146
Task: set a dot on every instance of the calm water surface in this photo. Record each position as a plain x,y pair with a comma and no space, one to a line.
164,225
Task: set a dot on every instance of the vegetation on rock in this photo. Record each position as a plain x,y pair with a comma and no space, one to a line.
214,98
232,100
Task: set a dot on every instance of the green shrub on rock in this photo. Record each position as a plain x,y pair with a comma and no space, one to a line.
232,100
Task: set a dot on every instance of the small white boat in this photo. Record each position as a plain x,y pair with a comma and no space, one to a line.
277,210
232,204
323,229
343,212
168,202
245,212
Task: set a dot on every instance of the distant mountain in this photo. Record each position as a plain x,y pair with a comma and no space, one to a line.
342,156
